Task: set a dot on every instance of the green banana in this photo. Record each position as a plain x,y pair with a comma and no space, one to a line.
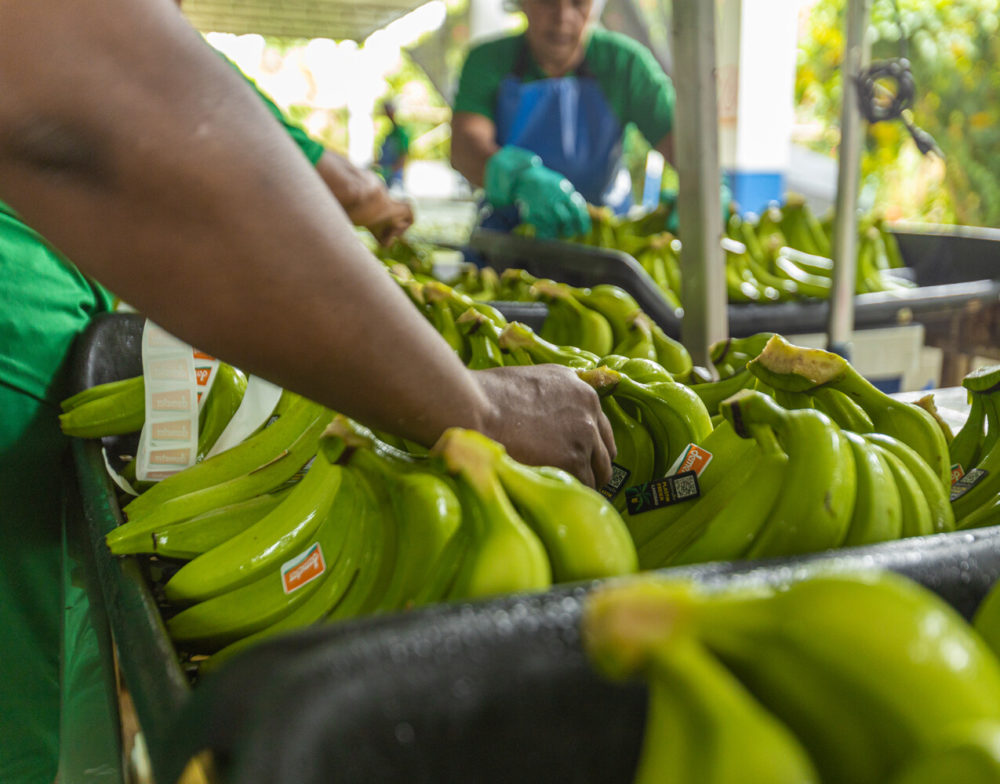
518,337
967,751
798,369
272,540
642,370
355,510
275,593
196,535
484,350
638,341
733,459
426,511
965,447
868,668
986,619
223,400
725,533
612,302
702,725
842,409
670,353
814,506
712,393
916,512
586,328
942,515
878,508
111,409
294,415
633,463
505,555
674,415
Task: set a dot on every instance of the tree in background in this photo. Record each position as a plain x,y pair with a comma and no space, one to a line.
954,53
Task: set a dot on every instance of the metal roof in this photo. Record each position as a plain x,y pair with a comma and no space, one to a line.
334,19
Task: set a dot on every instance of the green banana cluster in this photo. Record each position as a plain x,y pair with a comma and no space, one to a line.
836,677
799,482
119,407
784,254
975,455
315,519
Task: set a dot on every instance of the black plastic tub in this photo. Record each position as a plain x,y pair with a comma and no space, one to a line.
492,691
954,267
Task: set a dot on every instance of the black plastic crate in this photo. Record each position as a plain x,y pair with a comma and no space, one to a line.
954,270
490,691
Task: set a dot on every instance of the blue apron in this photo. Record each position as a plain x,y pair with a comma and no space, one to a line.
570,125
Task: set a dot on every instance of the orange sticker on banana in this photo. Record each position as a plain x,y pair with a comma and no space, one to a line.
302,569
693,458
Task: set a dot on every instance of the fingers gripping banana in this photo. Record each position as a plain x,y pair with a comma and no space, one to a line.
633,463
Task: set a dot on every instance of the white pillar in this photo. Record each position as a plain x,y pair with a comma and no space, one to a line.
757,53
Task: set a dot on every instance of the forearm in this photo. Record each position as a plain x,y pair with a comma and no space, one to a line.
472,145
354,188
208,219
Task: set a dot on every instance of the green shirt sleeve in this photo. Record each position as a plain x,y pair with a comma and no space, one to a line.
485,67
312,149
634,83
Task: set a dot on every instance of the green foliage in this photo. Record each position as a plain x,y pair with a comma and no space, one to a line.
955,56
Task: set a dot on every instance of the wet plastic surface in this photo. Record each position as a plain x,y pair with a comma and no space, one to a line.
495,691
953,267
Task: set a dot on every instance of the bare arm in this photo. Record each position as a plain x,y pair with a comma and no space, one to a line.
473,141
132,147
364,197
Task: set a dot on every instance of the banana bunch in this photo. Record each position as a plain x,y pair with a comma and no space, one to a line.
653,419
259,465
974,454
860,678
119,407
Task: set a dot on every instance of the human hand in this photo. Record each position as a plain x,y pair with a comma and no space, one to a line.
544,198
374,209
545,415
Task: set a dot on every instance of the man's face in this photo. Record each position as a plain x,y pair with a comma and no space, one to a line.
556,29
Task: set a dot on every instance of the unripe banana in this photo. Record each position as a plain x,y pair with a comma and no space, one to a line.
518,337
942,515
638,341
814,507
112,409
878,509
278,536
964,450
612,302
702,726
798,369
633,463
223,400
505,555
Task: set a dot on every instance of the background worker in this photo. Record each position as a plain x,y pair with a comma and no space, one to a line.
175,188
395,148
539,117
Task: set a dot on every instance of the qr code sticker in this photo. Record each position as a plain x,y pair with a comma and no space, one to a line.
685,487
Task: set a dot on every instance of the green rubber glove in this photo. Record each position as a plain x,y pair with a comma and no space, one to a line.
543,197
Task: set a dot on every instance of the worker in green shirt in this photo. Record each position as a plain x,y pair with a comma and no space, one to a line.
174,187
539,118
395,148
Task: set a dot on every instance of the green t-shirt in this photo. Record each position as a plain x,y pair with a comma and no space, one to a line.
633,83
45,301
